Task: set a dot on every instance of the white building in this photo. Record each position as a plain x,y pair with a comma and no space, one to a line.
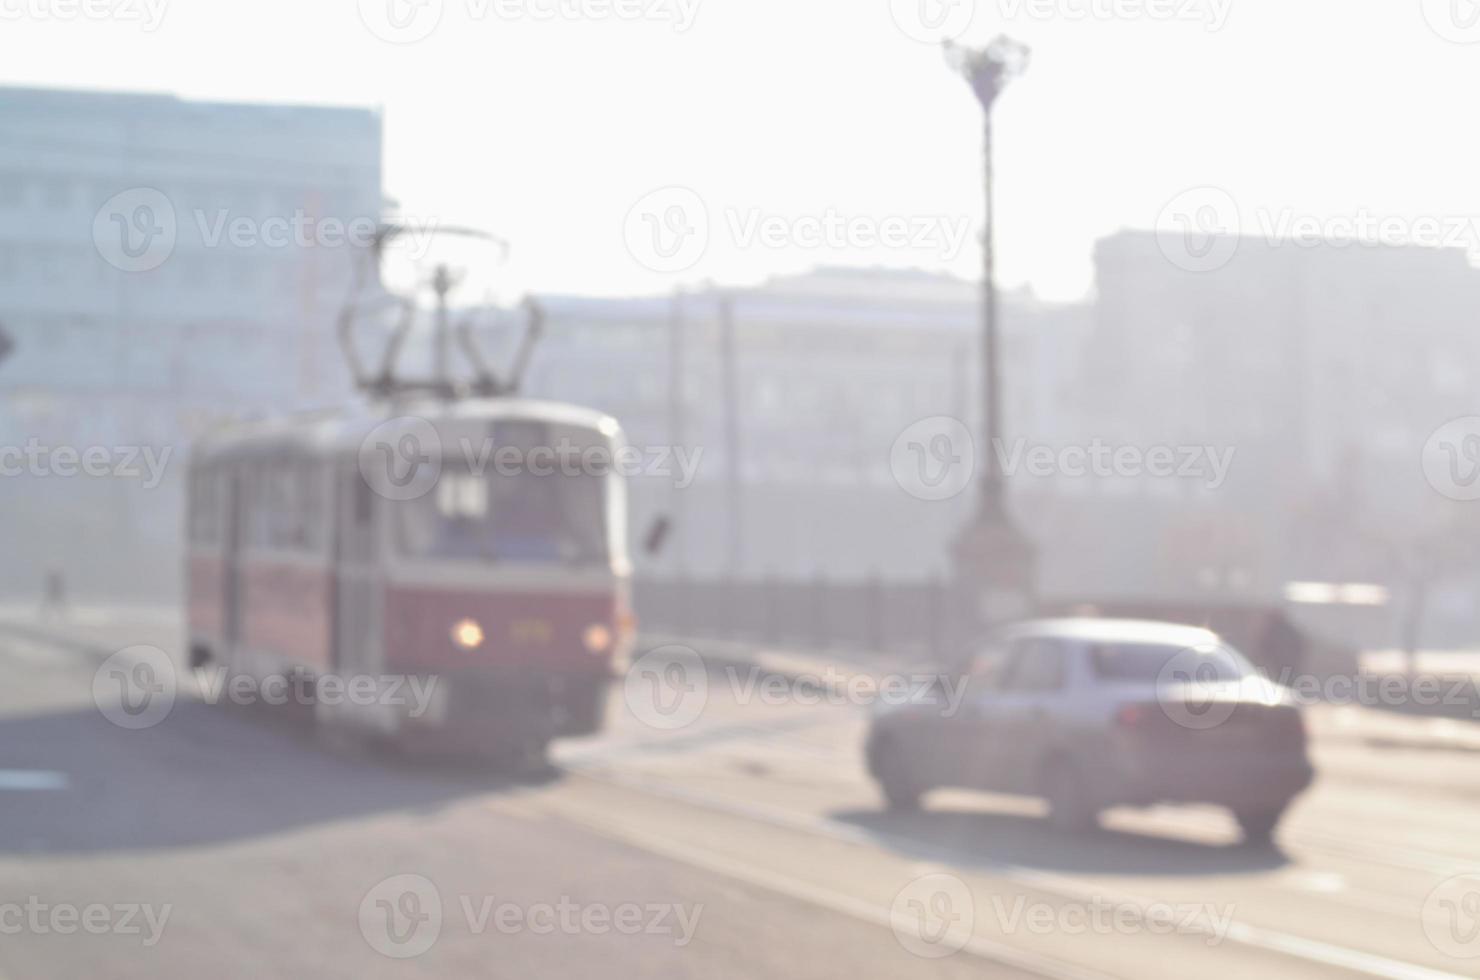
830,368
116,349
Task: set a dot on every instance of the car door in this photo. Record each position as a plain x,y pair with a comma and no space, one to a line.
942,734
1020,722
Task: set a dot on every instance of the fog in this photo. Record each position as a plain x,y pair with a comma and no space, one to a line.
686,433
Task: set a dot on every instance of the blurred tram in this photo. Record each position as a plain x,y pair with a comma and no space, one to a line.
509,585
452,535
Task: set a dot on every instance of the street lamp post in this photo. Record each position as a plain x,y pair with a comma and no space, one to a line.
994,561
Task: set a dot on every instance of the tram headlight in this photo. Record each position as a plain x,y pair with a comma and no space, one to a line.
597,638
467,634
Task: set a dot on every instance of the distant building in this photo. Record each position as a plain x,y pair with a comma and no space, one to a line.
831,367
1326,369
230,322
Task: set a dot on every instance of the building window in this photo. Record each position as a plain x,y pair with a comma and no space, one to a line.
58,193
12,190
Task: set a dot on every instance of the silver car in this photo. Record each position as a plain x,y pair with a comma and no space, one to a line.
1094,713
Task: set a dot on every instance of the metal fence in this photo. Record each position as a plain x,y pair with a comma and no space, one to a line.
867,614
915,618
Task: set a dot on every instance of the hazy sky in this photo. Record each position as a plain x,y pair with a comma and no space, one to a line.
548,120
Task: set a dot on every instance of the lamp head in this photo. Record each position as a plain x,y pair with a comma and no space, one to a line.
988,70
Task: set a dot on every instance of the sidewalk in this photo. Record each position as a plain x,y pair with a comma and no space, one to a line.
100,631
1356,723
1387,730
795,663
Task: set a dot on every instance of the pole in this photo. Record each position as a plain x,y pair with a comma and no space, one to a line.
731,395
676,410
991,486
994,560
442,283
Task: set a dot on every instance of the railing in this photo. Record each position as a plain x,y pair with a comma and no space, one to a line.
915,618
867,614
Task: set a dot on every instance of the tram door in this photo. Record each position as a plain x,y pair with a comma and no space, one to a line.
357,576
233,534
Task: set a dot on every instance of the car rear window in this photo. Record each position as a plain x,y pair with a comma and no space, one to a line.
1146,661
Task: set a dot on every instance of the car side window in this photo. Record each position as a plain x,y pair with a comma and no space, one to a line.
1037,667
989,662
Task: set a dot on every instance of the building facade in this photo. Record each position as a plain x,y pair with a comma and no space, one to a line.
827,370
163,264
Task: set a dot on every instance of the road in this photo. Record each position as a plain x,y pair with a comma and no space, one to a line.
226,842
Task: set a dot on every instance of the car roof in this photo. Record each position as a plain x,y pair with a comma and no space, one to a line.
1096,630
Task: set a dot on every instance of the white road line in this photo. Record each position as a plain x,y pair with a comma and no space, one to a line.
837,901
1315,951
32,779
1401,856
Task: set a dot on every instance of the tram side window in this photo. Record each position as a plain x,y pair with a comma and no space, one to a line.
205,507
288,507
364,504
258,507
282,498
311,532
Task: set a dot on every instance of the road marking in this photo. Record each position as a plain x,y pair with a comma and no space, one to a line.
1401,856
1312,950
1321,882
32,779
834,901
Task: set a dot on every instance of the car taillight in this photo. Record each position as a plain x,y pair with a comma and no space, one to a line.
1131,716
626,624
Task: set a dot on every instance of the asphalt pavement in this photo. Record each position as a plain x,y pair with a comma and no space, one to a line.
740,838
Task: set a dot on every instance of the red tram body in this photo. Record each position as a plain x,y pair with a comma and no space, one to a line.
475,545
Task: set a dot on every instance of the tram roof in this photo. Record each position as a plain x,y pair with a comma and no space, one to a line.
344,430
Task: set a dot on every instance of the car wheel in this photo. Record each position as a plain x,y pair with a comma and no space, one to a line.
520,757
1070,807
892,771
1258,825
